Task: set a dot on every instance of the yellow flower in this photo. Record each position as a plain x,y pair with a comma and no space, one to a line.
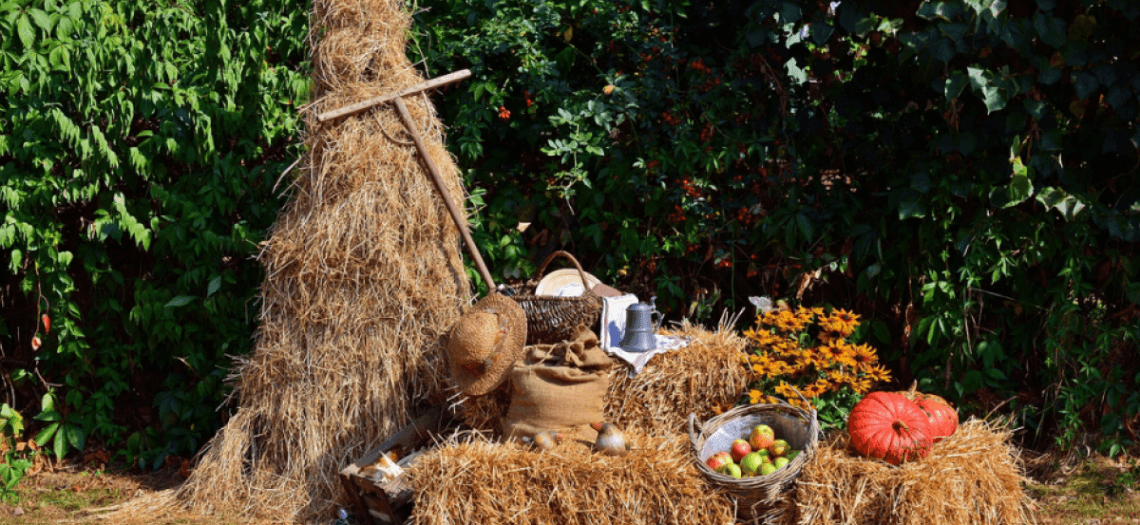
878,373
754,396
786,390
841,321
865,357
838,352
861,385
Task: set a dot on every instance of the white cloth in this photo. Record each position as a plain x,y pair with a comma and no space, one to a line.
613,329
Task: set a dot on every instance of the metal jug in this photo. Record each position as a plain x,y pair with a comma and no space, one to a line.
640,328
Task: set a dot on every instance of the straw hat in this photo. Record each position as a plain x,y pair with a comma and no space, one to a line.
553,281
485,343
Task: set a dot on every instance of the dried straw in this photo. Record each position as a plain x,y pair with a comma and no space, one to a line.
703,378
973,477
473,480
364,278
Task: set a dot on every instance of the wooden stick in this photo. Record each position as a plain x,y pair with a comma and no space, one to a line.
449,78
438,180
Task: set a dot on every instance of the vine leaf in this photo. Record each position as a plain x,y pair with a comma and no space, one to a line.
26,31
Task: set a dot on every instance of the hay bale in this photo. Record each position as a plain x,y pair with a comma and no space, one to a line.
973,477
472,480
703,378
363,281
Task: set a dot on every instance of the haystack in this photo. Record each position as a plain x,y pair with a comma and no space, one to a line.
473,480
363,280
702,378
973,477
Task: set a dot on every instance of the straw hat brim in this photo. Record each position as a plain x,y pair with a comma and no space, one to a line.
510,315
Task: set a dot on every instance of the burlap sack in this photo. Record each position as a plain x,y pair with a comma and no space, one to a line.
561,387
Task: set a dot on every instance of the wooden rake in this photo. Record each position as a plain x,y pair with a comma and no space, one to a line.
398,99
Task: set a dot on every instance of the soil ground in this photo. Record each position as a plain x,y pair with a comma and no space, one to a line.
1065,491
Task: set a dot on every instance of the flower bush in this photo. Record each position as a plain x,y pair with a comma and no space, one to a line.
810,351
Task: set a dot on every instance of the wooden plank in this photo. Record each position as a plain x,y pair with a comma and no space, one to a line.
449,78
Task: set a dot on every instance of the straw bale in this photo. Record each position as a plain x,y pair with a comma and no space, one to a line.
973,477
363,280
474,480
700,378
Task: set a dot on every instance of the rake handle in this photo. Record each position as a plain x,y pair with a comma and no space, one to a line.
375,101
438,181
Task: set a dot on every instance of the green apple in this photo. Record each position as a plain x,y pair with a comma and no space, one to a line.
767,468
730,469
751,463
780,462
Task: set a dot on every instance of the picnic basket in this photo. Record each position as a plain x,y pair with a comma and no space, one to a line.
551,319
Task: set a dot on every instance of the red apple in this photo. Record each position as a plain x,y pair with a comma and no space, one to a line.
718,460
740,448
761,437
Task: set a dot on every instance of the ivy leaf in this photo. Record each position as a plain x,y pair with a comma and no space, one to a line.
790,12
943,10
181,300
1050,29
1035,108
954,86
215,284
1049,76
1046,5
994,98
1084,83
821,32
26,31
943,50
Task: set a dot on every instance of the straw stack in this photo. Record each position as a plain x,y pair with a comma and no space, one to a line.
364,279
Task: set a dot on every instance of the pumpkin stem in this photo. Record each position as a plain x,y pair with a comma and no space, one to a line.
900,425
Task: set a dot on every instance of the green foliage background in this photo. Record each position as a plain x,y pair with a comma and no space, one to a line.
139,145
961,173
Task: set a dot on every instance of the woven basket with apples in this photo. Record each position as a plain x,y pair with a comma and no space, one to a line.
767,446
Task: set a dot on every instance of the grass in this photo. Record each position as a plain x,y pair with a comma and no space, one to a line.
1095,488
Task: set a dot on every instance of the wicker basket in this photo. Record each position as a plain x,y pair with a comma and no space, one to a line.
551,319
759,499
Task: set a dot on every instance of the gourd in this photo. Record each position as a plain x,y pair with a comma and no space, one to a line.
943,417
890,427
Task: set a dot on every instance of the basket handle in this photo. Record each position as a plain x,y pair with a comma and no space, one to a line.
581,272
694,429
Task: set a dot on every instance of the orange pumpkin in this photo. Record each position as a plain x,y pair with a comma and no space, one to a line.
890,427
943,417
